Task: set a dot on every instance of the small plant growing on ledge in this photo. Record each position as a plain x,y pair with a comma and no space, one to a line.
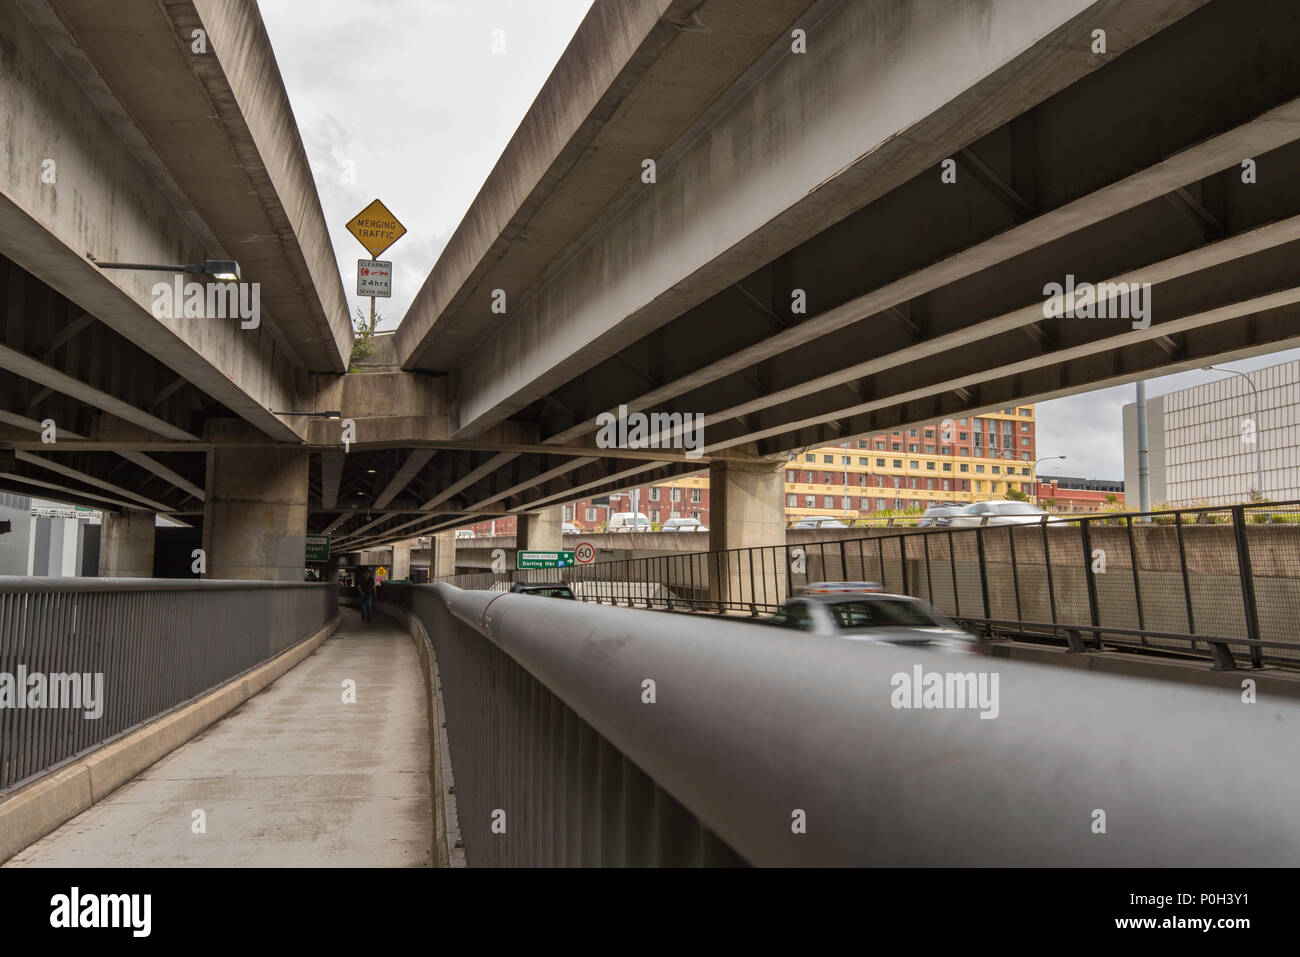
363,346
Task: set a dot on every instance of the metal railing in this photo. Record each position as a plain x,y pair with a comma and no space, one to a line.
136,648
1218,582
588,735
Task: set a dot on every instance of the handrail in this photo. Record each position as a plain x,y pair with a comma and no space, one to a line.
787,743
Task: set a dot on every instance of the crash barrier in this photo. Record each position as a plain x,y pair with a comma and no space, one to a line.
592,735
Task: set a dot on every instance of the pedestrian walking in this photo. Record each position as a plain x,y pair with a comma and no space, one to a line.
367,596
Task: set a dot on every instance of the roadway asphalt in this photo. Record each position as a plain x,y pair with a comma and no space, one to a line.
294,777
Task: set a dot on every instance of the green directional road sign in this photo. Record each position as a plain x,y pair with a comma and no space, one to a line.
318,549
543,560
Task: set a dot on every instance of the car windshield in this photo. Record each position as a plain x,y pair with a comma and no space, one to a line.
1018,508
880,613
550,592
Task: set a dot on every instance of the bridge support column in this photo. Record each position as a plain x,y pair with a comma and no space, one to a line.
747,511
541,530
255,516
126,544
401,562
442,555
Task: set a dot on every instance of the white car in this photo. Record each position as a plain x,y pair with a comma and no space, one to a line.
627,522
999,513
568,528
683,525
819,521
464,533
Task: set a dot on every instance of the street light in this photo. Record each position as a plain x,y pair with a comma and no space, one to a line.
226,270
1259,455
333,414
1045,458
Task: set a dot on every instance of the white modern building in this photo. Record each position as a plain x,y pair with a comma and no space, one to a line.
1207,444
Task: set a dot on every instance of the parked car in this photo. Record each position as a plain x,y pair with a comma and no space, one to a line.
627,522
464,533
999,513
543,589
819,521
890,619
683,525
939,515
568,528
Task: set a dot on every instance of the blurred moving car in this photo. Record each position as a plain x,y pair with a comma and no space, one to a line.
464,533
543,589
568,528
891,619
819,521
1000,513
683,525
841,588
940,515
627,522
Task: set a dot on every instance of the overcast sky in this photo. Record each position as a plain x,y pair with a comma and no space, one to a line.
405,101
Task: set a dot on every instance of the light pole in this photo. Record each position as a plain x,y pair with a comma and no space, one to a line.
1259,455
1045,458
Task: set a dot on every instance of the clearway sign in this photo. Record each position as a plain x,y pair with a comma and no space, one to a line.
374,278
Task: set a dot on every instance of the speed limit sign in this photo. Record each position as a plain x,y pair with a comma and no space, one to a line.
585,553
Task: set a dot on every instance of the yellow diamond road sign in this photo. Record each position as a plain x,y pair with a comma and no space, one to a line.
376,228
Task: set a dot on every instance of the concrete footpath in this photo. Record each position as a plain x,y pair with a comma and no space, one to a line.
294,777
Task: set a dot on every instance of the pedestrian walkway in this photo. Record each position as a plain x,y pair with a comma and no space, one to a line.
295,777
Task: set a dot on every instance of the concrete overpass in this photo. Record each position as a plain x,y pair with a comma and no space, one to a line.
757,278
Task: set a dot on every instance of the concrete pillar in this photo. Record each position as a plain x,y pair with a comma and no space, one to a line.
442,555
255,516
126,545
746,511
401,562
541,531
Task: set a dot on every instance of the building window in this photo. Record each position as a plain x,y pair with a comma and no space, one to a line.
792,501
947,466
880,463
896,447
697,495
810,477
695,515
810,501
963,436
1024,443
654,493
810,458
568,513
828,501
654,515
828,459
964,467
591,514
898,463
1024,426
913,464
677,495
929,466
997,470
862,461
